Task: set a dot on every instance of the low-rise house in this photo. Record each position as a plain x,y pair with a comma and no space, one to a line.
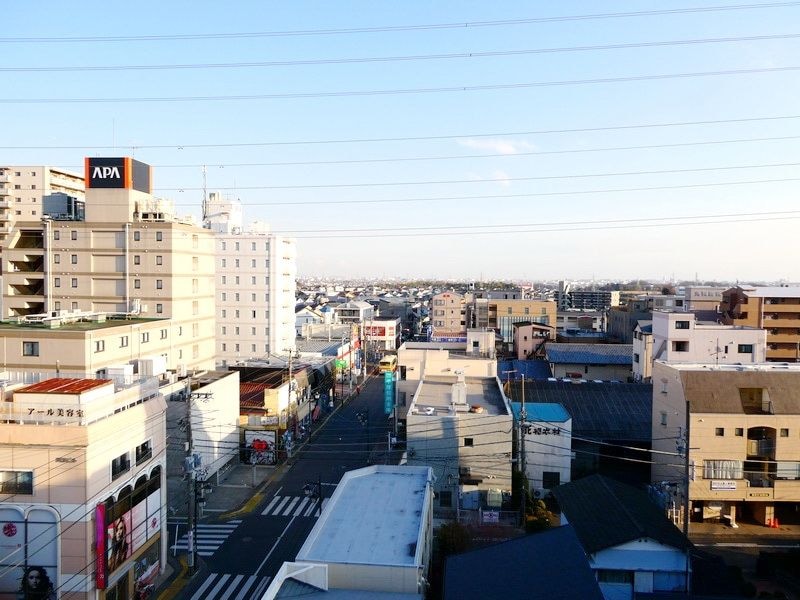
552,565
632,546
590,361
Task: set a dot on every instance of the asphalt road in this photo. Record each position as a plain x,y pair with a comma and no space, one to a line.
353,436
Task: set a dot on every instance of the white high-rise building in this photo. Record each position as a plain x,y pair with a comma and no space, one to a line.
256,282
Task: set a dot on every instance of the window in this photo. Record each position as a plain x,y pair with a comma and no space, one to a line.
236,262
719,431
196,308
30,348
57,259
551,479
527,310
745,349
784,432
73,235
159,236
99,345
224,296
73,259
224,347
738,432
145,337
253,246
509,310
159,284
236,296
681,324
163,334
16,482
663,418
253,280
159,308
224,280
159,260
123,341
224,246
56,235
195,242
446,499
680,346
137,284
253,314
469,442
236,246
224,262
252,331
57,282
144,452
635,357
120,465
224,330
137,260
253,263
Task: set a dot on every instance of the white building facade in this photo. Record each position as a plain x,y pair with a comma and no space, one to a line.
255,280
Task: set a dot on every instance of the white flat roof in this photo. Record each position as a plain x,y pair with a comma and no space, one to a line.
774,291
376,516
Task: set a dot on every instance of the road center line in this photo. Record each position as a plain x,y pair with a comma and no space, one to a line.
275,545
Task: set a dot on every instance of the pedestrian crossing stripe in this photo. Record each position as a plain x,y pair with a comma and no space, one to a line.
295,506
226,586
210,536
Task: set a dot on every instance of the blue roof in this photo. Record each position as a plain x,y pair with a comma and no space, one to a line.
515,369
590,354
553,563
541,411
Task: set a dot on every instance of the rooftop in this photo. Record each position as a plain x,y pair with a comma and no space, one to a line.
549,412
774,291
63,386
82,324
376,516
436,392
590,354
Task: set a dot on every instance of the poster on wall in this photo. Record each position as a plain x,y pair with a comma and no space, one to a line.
261,447
119,541
36,584
145,572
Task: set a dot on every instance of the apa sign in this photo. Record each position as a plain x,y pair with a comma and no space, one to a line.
117,173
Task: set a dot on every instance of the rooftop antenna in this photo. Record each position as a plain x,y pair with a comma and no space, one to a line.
205,197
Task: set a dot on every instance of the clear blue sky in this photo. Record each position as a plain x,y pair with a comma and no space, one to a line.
543,152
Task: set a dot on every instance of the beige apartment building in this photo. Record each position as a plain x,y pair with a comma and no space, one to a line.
129,255
82,494
501,315
92,345
743,438
448,317
775,309
24,191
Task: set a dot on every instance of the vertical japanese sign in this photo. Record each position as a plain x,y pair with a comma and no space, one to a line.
388,392
100,546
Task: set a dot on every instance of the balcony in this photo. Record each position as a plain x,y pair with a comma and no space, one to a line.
791,305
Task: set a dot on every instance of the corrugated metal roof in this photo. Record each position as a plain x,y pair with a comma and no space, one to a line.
514,369
63,385
599,411
590,354
251,395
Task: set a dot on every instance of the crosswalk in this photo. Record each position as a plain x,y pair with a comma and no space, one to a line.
225,586
294,506
209,537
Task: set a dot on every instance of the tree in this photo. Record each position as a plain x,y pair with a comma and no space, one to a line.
453,538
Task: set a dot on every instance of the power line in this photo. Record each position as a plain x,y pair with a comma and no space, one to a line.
397,28
401,91
182,146
470,156
523,195
493,180
396,58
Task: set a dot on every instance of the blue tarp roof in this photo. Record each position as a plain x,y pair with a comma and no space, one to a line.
514,369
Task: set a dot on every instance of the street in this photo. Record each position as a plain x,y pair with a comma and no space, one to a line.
242,555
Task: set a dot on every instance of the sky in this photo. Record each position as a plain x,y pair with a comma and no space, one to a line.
455,139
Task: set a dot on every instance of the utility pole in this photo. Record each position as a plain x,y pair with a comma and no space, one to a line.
686,496
191,491
522,418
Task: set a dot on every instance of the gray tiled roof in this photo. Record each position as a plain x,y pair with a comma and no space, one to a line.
606,513
590,354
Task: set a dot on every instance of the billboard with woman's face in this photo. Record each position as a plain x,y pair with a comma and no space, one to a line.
118,544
